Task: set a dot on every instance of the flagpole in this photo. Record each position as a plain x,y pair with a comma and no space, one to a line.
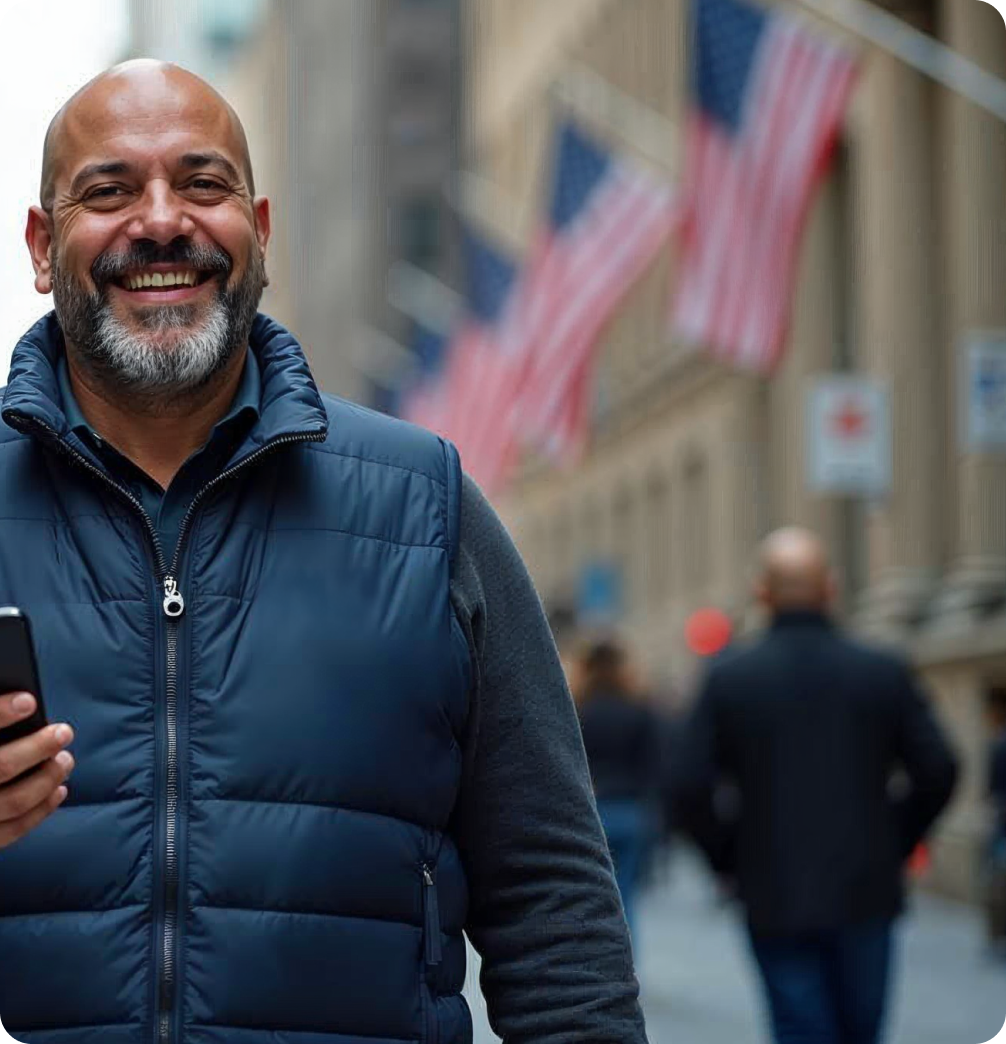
474,198
421,296
915,48
592,97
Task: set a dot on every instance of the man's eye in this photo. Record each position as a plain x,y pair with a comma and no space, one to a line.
105,192
206,185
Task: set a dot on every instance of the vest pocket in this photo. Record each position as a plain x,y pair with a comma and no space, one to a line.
432,951
431,918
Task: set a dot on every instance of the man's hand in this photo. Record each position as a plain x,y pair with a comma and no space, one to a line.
23,805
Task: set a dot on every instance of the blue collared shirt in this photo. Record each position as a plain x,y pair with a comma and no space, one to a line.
167,508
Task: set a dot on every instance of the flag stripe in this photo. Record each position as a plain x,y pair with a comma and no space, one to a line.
794,159
583,281
748,185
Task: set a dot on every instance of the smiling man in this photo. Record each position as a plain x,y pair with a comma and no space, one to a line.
319,725
159,264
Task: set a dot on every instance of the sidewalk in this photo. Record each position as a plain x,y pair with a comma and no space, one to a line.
698,986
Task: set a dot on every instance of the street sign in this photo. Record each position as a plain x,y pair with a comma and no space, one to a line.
984,382
599,594
848,436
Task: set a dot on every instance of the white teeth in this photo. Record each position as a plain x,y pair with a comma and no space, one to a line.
139,282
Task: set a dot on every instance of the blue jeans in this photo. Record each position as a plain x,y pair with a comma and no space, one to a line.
628,828
827,987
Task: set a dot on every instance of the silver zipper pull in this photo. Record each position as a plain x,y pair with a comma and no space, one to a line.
174,604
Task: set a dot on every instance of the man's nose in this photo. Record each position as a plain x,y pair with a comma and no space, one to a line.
161,215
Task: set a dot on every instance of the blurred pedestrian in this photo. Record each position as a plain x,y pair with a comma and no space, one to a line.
996,854
808,726
622,737
321,728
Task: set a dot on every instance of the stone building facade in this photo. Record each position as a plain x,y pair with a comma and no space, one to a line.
690,463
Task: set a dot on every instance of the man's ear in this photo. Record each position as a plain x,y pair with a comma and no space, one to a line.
38,236
263,226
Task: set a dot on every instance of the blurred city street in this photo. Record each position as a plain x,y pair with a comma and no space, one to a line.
699,986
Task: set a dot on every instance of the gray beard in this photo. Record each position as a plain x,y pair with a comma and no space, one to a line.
141,363
167,360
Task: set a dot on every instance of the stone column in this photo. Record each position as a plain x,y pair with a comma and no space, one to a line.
895,263
810,353
974,144
743,484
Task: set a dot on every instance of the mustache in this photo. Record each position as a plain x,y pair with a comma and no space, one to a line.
144,252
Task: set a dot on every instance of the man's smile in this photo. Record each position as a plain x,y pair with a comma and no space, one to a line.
161,283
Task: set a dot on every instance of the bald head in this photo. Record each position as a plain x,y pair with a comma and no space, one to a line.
142,89
795,573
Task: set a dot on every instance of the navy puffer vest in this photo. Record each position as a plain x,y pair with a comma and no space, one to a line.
253,849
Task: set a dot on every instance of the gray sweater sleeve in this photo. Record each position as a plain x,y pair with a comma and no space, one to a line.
545,913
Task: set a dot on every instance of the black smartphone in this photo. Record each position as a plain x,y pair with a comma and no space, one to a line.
19,671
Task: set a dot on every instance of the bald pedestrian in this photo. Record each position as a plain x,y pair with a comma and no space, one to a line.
306,722
807,728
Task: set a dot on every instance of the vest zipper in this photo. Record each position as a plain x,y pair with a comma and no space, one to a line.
431,917
166,982
432,952
173,606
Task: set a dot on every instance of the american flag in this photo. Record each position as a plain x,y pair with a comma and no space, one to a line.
468,396
606,223
768,96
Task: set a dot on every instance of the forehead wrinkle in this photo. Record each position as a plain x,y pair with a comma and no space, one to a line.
139,99
128,150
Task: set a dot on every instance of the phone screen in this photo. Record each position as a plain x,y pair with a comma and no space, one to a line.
19,671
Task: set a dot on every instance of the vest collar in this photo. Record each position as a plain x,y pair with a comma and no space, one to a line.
290,405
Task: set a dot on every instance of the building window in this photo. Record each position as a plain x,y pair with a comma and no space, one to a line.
419,76
227,24
419,231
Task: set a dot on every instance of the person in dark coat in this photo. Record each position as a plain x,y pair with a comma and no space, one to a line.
809,727
621,734
996,854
